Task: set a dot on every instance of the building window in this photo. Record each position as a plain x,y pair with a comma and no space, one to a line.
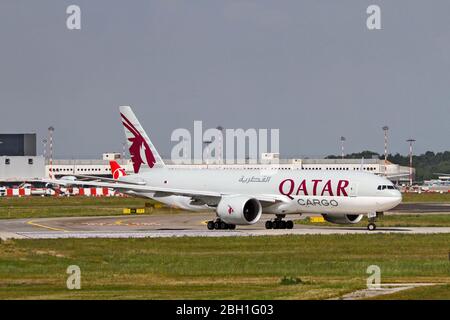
30,161
7,161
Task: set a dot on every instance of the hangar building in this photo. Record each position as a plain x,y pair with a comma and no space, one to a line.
18,158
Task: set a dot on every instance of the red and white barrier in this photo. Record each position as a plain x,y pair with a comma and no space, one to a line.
425,191
17,192
88,192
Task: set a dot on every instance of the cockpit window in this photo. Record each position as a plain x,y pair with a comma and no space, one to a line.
384,187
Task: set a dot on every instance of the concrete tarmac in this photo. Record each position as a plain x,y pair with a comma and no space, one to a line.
182,224
421,208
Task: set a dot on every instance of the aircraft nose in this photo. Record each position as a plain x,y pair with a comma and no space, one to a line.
396,197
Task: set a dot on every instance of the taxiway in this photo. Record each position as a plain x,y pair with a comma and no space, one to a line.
185,224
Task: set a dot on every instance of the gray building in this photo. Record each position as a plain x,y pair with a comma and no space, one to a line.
18,159
22,144
17,169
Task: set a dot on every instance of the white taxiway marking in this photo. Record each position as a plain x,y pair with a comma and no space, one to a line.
219,233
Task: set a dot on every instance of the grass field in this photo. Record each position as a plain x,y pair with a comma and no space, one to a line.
426,197
34,207
222,268
40,207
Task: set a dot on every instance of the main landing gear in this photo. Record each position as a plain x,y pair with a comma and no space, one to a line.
220,225
279,223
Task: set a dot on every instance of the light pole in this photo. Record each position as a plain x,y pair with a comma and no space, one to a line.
385,129
51,130
124,148
44,145
410,160
342,146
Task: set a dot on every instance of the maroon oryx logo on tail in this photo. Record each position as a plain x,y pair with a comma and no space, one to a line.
138,144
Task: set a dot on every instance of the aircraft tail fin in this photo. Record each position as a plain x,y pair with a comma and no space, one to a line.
116,170
143,152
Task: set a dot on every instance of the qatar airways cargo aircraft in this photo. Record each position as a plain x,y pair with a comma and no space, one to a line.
241,196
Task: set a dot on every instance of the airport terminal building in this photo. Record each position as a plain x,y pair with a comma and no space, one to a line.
19,162
101,167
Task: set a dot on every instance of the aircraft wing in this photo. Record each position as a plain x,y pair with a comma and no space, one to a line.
95,178
161,191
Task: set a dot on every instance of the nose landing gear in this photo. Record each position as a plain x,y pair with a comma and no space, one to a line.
371,226
372,216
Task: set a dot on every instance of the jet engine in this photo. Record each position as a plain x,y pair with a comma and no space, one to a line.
343,218
239,210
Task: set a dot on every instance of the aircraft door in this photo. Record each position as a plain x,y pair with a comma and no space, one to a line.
353,191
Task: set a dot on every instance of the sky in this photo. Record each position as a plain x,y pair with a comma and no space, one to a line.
311,69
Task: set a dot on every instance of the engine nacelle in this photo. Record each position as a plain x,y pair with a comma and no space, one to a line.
239,210
343,218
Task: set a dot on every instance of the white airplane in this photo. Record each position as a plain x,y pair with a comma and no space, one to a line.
241,196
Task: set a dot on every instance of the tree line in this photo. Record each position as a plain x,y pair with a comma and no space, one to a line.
427,165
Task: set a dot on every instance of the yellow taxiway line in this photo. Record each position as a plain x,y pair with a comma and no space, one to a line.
31,222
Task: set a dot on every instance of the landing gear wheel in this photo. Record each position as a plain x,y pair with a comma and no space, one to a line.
279,224
220,225
289,224
371,226
269,224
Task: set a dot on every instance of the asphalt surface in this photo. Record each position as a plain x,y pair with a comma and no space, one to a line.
188,224
421,208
